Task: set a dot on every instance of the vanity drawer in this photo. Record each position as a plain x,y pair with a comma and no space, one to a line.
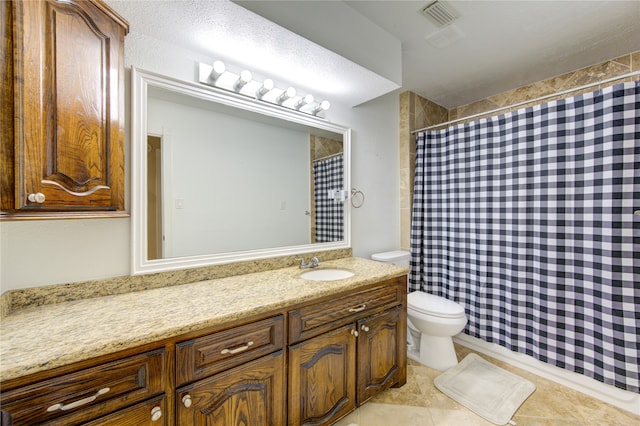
201,357
316,319
85,395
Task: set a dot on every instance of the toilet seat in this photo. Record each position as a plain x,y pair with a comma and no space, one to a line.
433,305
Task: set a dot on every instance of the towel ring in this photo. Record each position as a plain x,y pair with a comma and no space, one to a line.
357,198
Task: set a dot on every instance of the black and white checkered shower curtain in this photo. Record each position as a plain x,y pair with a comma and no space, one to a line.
527,219
327,175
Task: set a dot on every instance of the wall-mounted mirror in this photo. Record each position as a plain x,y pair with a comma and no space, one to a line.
218,177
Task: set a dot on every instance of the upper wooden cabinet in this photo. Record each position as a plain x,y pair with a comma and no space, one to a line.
62,140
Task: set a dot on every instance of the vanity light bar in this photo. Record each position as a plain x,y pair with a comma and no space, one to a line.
216,75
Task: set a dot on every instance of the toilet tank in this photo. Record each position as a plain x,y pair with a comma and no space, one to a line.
398,257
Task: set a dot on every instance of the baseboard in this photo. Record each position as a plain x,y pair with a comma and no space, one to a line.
626,400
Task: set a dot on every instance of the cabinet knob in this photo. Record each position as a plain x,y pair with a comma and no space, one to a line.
354,332
156,413
364,328
186,400
38,197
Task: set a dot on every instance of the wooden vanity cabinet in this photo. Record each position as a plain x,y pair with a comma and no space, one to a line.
355,347
239,373
310,363
62,153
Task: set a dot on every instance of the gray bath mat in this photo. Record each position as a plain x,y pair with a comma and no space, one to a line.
485,389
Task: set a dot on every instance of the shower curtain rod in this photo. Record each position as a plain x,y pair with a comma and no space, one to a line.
608,80
327,157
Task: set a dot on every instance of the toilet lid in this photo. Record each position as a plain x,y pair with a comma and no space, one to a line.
434,305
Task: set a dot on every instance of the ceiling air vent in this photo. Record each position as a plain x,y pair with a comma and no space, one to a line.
440,13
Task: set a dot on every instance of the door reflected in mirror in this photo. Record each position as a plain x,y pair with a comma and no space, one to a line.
154,197
226,179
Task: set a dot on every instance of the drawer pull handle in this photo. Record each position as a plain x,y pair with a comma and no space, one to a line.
236,350
156,413
78,403
358,308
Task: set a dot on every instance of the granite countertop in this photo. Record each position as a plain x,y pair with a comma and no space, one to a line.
49,336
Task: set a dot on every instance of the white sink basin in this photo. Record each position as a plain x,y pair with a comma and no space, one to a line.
326,274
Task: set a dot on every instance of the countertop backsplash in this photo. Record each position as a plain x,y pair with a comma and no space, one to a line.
15,300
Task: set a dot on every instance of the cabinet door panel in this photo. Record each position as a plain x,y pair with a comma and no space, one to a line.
381,353
250,395
68,66
6,105
322,378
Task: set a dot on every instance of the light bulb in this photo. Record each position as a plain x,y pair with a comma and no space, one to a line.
322,106
306,100
219,67
245,77
266,87
287,94
217,70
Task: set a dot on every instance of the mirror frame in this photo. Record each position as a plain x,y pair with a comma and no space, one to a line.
140,82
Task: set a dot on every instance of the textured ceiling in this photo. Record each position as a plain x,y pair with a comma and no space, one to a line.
354,51
223,30
503,44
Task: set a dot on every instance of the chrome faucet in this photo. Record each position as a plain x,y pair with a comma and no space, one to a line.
314,262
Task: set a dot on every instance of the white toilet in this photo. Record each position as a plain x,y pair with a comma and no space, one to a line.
432,322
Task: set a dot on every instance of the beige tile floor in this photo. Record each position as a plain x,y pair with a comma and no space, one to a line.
419,403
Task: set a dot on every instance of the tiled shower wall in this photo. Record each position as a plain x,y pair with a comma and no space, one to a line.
417,112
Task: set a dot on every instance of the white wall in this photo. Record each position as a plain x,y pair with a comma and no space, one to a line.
375,171
35,253
42,252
